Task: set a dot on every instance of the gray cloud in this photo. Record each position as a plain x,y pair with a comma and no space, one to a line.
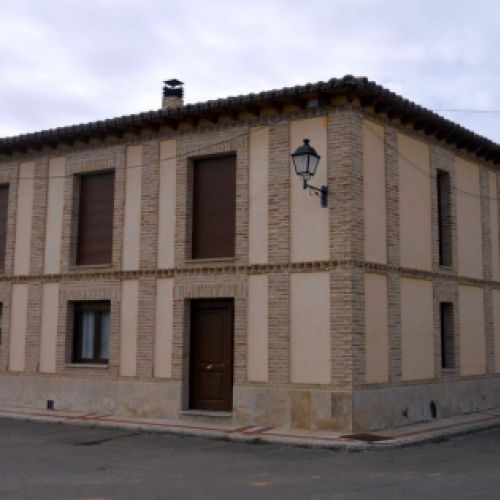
66,62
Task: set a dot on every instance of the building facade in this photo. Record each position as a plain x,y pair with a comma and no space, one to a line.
170,264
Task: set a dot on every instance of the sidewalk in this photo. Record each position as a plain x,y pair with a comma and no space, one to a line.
388,438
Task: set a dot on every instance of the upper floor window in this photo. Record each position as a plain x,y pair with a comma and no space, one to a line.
91,332
447,335
95,219
1,322
214,207
4,209
444,218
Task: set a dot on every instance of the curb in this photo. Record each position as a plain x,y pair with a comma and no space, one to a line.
269,436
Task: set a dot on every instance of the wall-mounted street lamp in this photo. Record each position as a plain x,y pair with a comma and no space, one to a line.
306,160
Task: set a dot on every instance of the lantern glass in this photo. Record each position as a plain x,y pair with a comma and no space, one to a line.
305,160
301,164
313,164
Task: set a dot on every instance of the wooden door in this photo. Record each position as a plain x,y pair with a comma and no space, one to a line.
211,355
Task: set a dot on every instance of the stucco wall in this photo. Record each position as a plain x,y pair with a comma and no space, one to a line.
48,333
309,221
376,329
472,333
417,329
310,359
128,328
257,364
24,217
496,328
164,328
414,203
132,209
258,194
19,321
494,207
167,204
55,207
469,223
374,195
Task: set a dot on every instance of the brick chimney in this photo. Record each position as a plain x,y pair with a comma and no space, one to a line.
173,93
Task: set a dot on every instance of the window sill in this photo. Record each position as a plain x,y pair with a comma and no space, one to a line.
449,269
99,366
206,261
75,267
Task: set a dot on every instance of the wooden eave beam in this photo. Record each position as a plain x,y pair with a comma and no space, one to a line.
442,134
381,106
472,147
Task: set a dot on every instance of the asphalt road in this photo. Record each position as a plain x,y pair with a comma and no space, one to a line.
53,461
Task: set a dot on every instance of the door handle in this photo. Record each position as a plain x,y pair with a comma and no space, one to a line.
210,368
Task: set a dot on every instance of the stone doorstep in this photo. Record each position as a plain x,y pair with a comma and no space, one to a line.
388,438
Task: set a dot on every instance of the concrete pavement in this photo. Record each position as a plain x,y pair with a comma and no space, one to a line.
387,438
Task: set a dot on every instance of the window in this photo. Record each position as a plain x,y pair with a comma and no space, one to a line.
91,332
214,207
95,219
4,208
447,336
444,218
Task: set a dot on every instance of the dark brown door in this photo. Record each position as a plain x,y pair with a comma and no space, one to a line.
211,367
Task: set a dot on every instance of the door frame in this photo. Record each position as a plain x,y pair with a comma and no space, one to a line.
214,302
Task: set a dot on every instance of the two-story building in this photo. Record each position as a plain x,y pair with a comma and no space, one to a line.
170,263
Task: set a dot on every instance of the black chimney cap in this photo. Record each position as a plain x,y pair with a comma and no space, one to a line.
173,88
173,82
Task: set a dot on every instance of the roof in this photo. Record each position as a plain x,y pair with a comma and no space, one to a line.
356,89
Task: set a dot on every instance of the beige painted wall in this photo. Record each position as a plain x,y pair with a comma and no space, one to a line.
167,205
258,192
128,328
132,209
469,233
495,251
24,215
472,333
164,328
310,343
414,203
374,193
55,208
19,320
257,342
417,329
376,329
496,327
309,222
48,334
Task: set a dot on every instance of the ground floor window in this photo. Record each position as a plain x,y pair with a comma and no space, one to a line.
91,332
447,336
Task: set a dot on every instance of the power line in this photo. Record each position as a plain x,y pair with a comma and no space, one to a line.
179,155
421,170
248,133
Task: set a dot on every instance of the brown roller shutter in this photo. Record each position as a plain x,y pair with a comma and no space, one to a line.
214,207
95,220
4,209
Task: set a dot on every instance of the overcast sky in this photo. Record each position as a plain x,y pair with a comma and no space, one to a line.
67,62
